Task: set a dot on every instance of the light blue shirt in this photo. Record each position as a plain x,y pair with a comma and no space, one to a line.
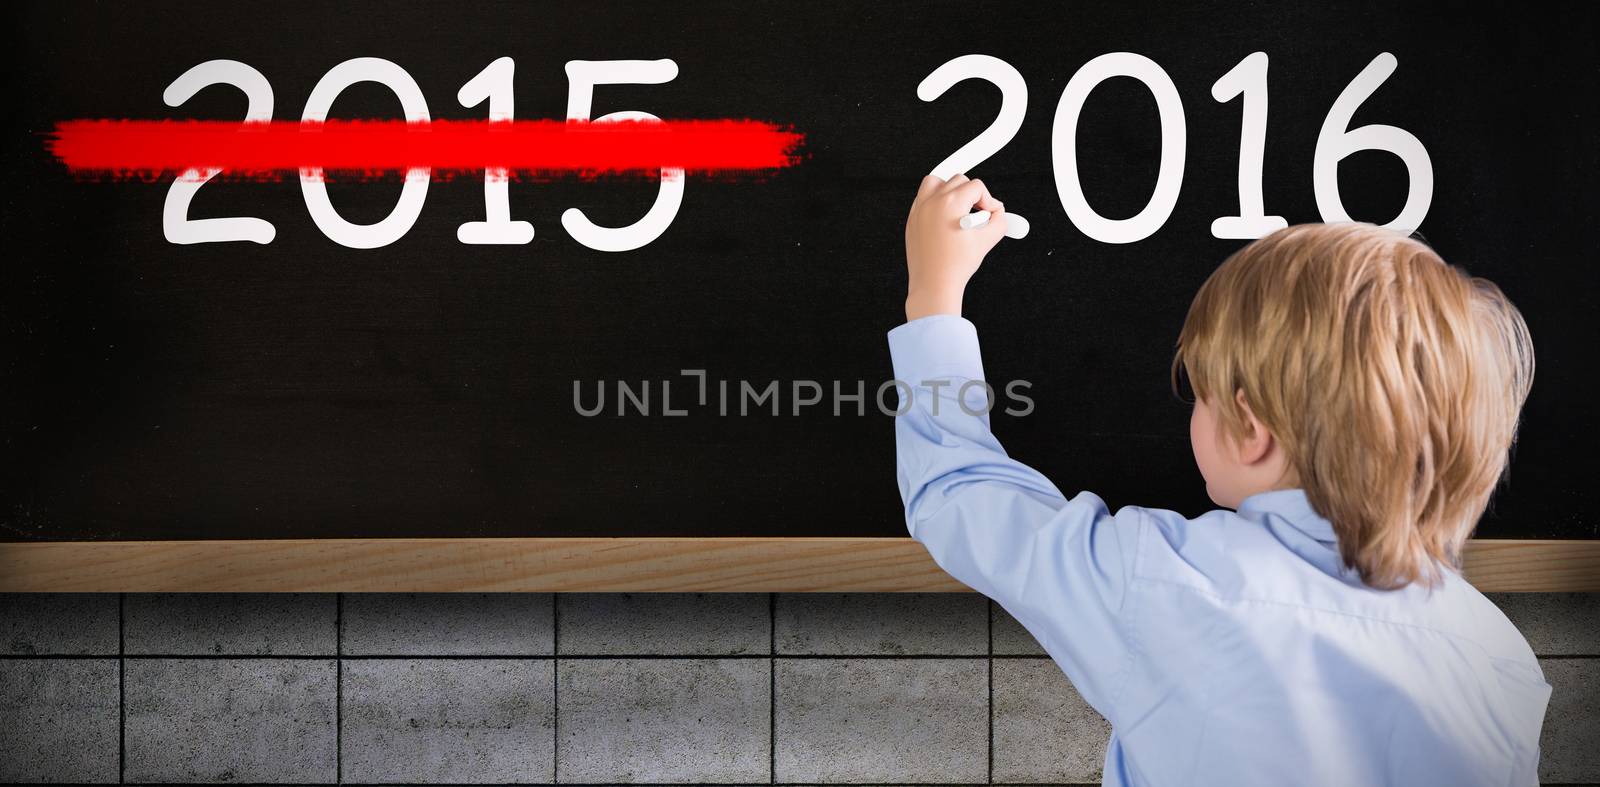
1231,649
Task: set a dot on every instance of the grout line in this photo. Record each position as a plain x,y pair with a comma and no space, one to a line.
338,688
772,688
536,657
690,784
122,688
585,657
989,610
555,689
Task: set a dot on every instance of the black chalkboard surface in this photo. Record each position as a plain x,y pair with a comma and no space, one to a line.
303,388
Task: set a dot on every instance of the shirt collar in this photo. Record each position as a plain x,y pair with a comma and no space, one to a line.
1293,507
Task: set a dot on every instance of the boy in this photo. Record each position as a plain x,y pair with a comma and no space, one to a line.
1356,402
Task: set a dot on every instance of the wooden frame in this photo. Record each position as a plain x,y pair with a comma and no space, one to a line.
602,565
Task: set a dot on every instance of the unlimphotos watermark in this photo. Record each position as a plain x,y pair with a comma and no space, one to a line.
743,398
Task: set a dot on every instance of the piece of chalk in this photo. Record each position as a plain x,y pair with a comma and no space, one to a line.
1016,226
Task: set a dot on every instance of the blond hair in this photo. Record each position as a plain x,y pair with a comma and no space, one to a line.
1392,380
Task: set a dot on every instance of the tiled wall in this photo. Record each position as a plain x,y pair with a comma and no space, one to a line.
599,689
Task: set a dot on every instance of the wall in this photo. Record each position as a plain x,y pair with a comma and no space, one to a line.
592,688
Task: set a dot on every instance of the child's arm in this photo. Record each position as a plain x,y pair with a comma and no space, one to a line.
1060,566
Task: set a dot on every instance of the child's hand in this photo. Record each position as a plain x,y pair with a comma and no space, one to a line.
940,255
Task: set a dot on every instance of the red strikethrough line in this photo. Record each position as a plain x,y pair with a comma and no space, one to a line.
264,149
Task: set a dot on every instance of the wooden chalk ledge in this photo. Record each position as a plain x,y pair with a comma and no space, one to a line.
603,565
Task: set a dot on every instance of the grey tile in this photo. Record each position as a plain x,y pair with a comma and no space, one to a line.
1555,624
671,624
37,624
58,720
237,624
485,721
1043,731
230,720
664,720
885,720
882,624
1568,750
447,624
1010,638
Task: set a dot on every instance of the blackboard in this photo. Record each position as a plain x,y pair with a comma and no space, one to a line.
302,388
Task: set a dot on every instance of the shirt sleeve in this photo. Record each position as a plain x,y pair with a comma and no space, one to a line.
1060,566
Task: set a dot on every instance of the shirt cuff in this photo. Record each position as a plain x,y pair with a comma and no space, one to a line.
939,345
